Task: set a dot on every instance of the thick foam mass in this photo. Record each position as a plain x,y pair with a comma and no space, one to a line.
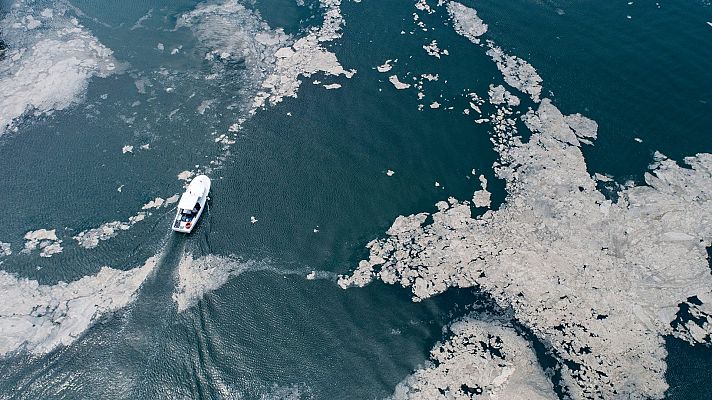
38,318
466,22
305,57
49,62
483,356
236,38
599,282
46,240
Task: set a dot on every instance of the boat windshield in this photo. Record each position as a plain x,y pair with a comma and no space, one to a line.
188,215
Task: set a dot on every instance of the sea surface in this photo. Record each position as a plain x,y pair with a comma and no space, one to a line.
311,171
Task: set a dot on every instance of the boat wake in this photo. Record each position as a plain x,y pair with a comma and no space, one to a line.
195,277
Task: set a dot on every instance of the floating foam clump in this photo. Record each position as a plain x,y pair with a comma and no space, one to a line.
600,283
517,72
38,318
433,50
50,62
185,175
385,67
233,34
499,95
304,57
46,240
155,203
90,238
397,83
484,357
482,198
5,249
466,22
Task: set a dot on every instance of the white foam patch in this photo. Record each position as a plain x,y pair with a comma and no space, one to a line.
271,61
155,203
45,240
487,355
433,50
422,5
185,175
397,83
305,57
600,283
233,34
609,277
173,199
517,72
38,318
197,277
385,67
500,95
49,63
466,22
321,275
5,249
482,197
90,238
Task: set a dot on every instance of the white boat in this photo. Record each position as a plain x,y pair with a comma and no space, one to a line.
192,204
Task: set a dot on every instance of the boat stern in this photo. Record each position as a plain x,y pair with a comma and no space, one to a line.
182,226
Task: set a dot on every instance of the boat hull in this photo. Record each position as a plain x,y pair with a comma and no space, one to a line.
197,196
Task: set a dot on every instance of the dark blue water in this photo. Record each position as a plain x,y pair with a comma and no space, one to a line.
322,167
